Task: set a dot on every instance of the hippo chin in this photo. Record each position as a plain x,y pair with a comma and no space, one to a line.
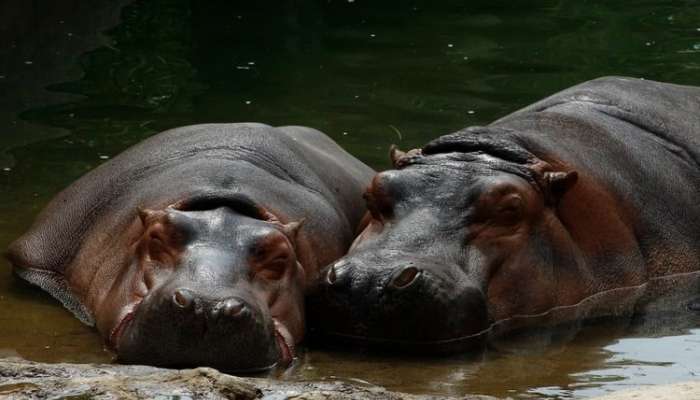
571,208
196,246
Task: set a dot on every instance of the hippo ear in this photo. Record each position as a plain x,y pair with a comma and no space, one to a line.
558,183
291,230
395,155
148,216
160,239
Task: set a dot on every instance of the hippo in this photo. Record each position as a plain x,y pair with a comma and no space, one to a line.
579,206
195,247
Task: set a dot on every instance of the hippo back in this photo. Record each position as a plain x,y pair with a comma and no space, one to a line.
668,114
640,140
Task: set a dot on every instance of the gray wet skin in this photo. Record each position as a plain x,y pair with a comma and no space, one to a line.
196,246
592,189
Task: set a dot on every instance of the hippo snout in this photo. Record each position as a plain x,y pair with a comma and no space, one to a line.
185,327
413,304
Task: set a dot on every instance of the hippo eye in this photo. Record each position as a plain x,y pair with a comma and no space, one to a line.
271,257
509,209
274,269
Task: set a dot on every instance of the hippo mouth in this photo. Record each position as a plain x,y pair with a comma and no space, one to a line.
285,344
283,338
118,331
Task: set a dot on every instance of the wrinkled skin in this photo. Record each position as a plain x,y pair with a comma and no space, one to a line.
579,200
196,246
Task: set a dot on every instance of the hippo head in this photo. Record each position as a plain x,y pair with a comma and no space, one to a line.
458,239
212,284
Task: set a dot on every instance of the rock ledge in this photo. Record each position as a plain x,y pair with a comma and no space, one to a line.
21,379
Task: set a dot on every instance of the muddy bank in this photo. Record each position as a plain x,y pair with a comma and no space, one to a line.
20,379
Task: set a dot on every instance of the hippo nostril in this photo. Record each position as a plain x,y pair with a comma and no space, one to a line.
404,278
232,308
331,276
182,298
337,272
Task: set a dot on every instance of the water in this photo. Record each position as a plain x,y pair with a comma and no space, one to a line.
81,81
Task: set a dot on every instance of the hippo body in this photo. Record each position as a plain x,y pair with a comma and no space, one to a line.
195,246
585,204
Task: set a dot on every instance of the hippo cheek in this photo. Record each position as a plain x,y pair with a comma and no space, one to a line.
409,307
179,328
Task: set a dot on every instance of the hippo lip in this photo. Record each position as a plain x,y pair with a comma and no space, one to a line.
121,327
285,343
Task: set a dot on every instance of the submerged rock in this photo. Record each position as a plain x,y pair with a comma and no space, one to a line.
21,379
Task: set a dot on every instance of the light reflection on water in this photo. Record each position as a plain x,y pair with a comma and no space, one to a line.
367,73
643,361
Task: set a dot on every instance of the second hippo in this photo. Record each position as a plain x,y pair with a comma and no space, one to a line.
582,205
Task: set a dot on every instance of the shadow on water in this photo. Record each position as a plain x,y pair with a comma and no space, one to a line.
81,81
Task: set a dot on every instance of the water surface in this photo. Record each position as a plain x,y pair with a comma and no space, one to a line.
81,81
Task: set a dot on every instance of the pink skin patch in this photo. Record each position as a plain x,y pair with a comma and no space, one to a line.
285,344
118,330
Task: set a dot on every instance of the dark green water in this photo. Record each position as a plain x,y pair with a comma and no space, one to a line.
82,80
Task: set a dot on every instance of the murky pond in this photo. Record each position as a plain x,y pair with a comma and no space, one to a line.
80,81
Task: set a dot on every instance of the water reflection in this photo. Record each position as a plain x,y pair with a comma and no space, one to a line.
575,361
81,81
39,46
642,361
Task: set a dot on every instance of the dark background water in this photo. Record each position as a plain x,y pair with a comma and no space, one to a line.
82,80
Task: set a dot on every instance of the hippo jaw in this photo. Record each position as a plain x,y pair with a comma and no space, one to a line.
155,334
215,289
283,340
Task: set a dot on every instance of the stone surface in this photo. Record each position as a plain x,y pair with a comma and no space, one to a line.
21,379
